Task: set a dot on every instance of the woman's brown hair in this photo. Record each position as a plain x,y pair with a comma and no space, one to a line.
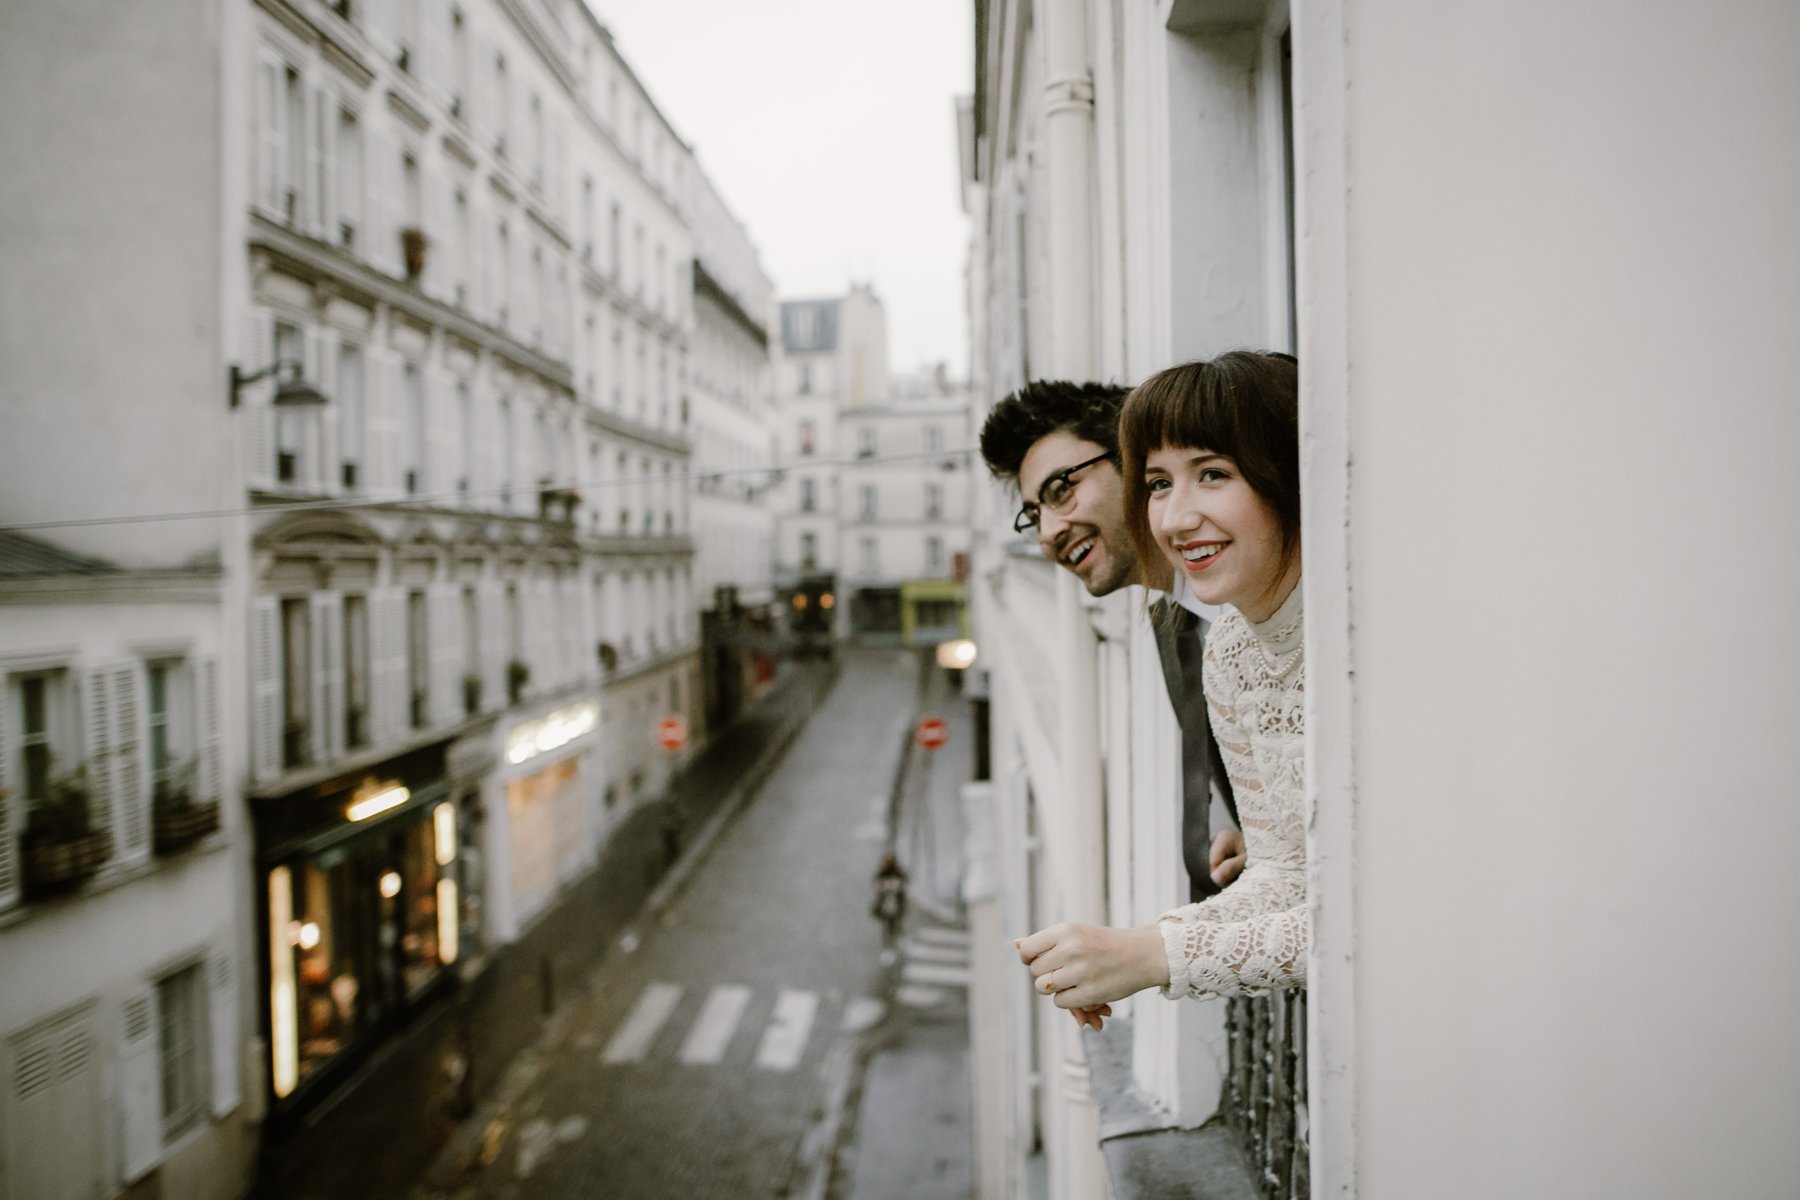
1242,404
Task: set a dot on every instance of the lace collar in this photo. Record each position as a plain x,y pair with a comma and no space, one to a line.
1281,636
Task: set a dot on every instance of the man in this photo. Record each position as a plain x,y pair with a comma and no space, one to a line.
1058,443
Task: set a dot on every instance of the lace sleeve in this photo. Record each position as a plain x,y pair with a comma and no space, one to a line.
1253,935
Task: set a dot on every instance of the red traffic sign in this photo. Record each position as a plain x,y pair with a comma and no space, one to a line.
932,733
671,733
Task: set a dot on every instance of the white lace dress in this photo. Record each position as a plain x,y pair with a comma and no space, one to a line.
1252,936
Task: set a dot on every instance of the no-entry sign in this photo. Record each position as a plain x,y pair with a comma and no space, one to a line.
932,733
671,733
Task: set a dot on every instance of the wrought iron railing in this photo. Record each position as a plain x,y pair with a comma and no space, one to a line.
1265,1091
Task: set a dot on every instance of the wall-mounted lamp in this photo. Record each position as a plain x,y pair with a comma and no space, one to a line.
293,392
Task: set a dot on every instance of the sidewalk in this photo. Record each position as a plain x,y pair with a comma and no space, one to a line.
913,1136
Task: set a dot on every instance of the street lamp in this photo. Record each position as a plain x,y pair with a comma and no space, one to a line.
294,392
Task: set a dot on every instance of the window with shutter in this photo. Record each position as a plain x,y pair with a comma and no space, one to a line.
131,777
9,827
54,1147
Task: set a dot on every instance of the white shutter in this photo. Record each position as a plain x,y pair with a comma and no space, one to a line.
322,351
271,144
382,163
140,1075
383,402
259,440
210,776
9,862
444,637
327,731
315,215
53,1111
222,1025
493,644
387,658
131,769
440,426
489,441
330,210
436,280
97,749
266,699
540,607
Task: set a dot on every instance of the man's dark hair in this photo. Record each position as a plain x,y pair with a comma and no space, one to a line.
1040,408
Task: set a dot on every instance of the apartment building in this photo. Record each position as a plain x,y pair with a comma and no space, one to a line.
361,357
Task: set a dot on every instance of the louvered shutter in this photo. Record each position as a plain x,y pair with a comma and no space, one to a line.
209,779
383,247
271,144
444,636
97,748
314,216
222,1026
254,411
440,425
327,676
539,631
140,1097
322,353
493,644
437,280
390,687
266,699
131,769
383,401
9,823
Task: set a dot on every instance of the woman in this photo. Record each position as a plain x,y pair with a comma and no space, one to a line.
1211,461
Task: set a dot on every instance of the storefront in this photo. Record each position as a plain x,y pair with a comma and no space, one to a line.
362,917
547,836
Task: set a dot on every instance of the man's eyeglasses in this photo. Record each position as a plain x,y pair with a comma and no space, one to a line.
1056,494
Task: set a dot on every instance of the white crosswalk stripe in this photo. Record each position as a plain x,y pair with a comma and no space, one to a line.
711,1034
784,1042
633,1039
935,958
717,1025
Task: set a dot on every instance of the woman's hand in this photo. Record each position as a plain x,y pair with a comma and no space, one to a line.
1085,966
1226,859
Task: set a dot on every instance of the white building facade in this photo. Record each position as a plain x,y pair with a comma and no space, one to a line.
442,611
1497,341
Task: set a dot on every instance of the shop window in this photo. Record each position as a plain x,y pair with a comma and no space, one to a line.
357,936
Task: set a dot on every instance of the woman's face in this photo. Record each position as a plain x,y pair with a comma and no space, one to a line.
1219,535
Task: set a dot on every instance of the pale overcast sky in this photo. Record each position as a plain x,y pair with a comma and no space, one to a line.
829,126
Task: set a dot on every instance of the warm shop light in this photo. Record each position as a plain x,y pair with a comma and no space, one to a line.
390,884
305,936
957,655
552,732
443,819
447,944
799,600
380,802
827,600
284,1030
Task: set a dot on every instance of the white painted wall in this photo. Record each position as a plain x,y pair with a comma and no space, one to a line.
1549,287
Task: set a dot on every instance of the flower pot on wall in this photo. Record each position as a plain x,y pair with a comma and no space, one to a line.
177,822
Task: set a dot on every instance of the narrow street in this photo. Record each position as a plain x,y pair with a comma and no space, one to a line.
717,1052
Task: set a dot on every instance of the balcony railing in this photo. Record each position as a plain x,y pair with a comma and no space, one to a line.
1265,1091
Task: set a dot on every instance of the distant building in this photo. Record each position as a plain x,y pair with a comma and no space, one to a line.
434,326
875,500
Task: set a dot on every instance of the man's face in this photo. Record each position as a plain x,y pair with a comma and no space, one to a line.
1089,538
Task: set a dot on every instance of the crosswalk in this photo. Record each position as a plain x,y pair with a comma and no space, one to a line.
729,1023
934,959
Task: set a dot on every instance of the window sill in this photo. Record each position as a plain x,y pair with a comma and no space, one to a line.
1146,1157
114,877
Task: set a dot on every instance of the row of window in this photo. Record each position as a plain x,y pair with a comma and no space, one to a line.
931,440
335,672
396,426
868,555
